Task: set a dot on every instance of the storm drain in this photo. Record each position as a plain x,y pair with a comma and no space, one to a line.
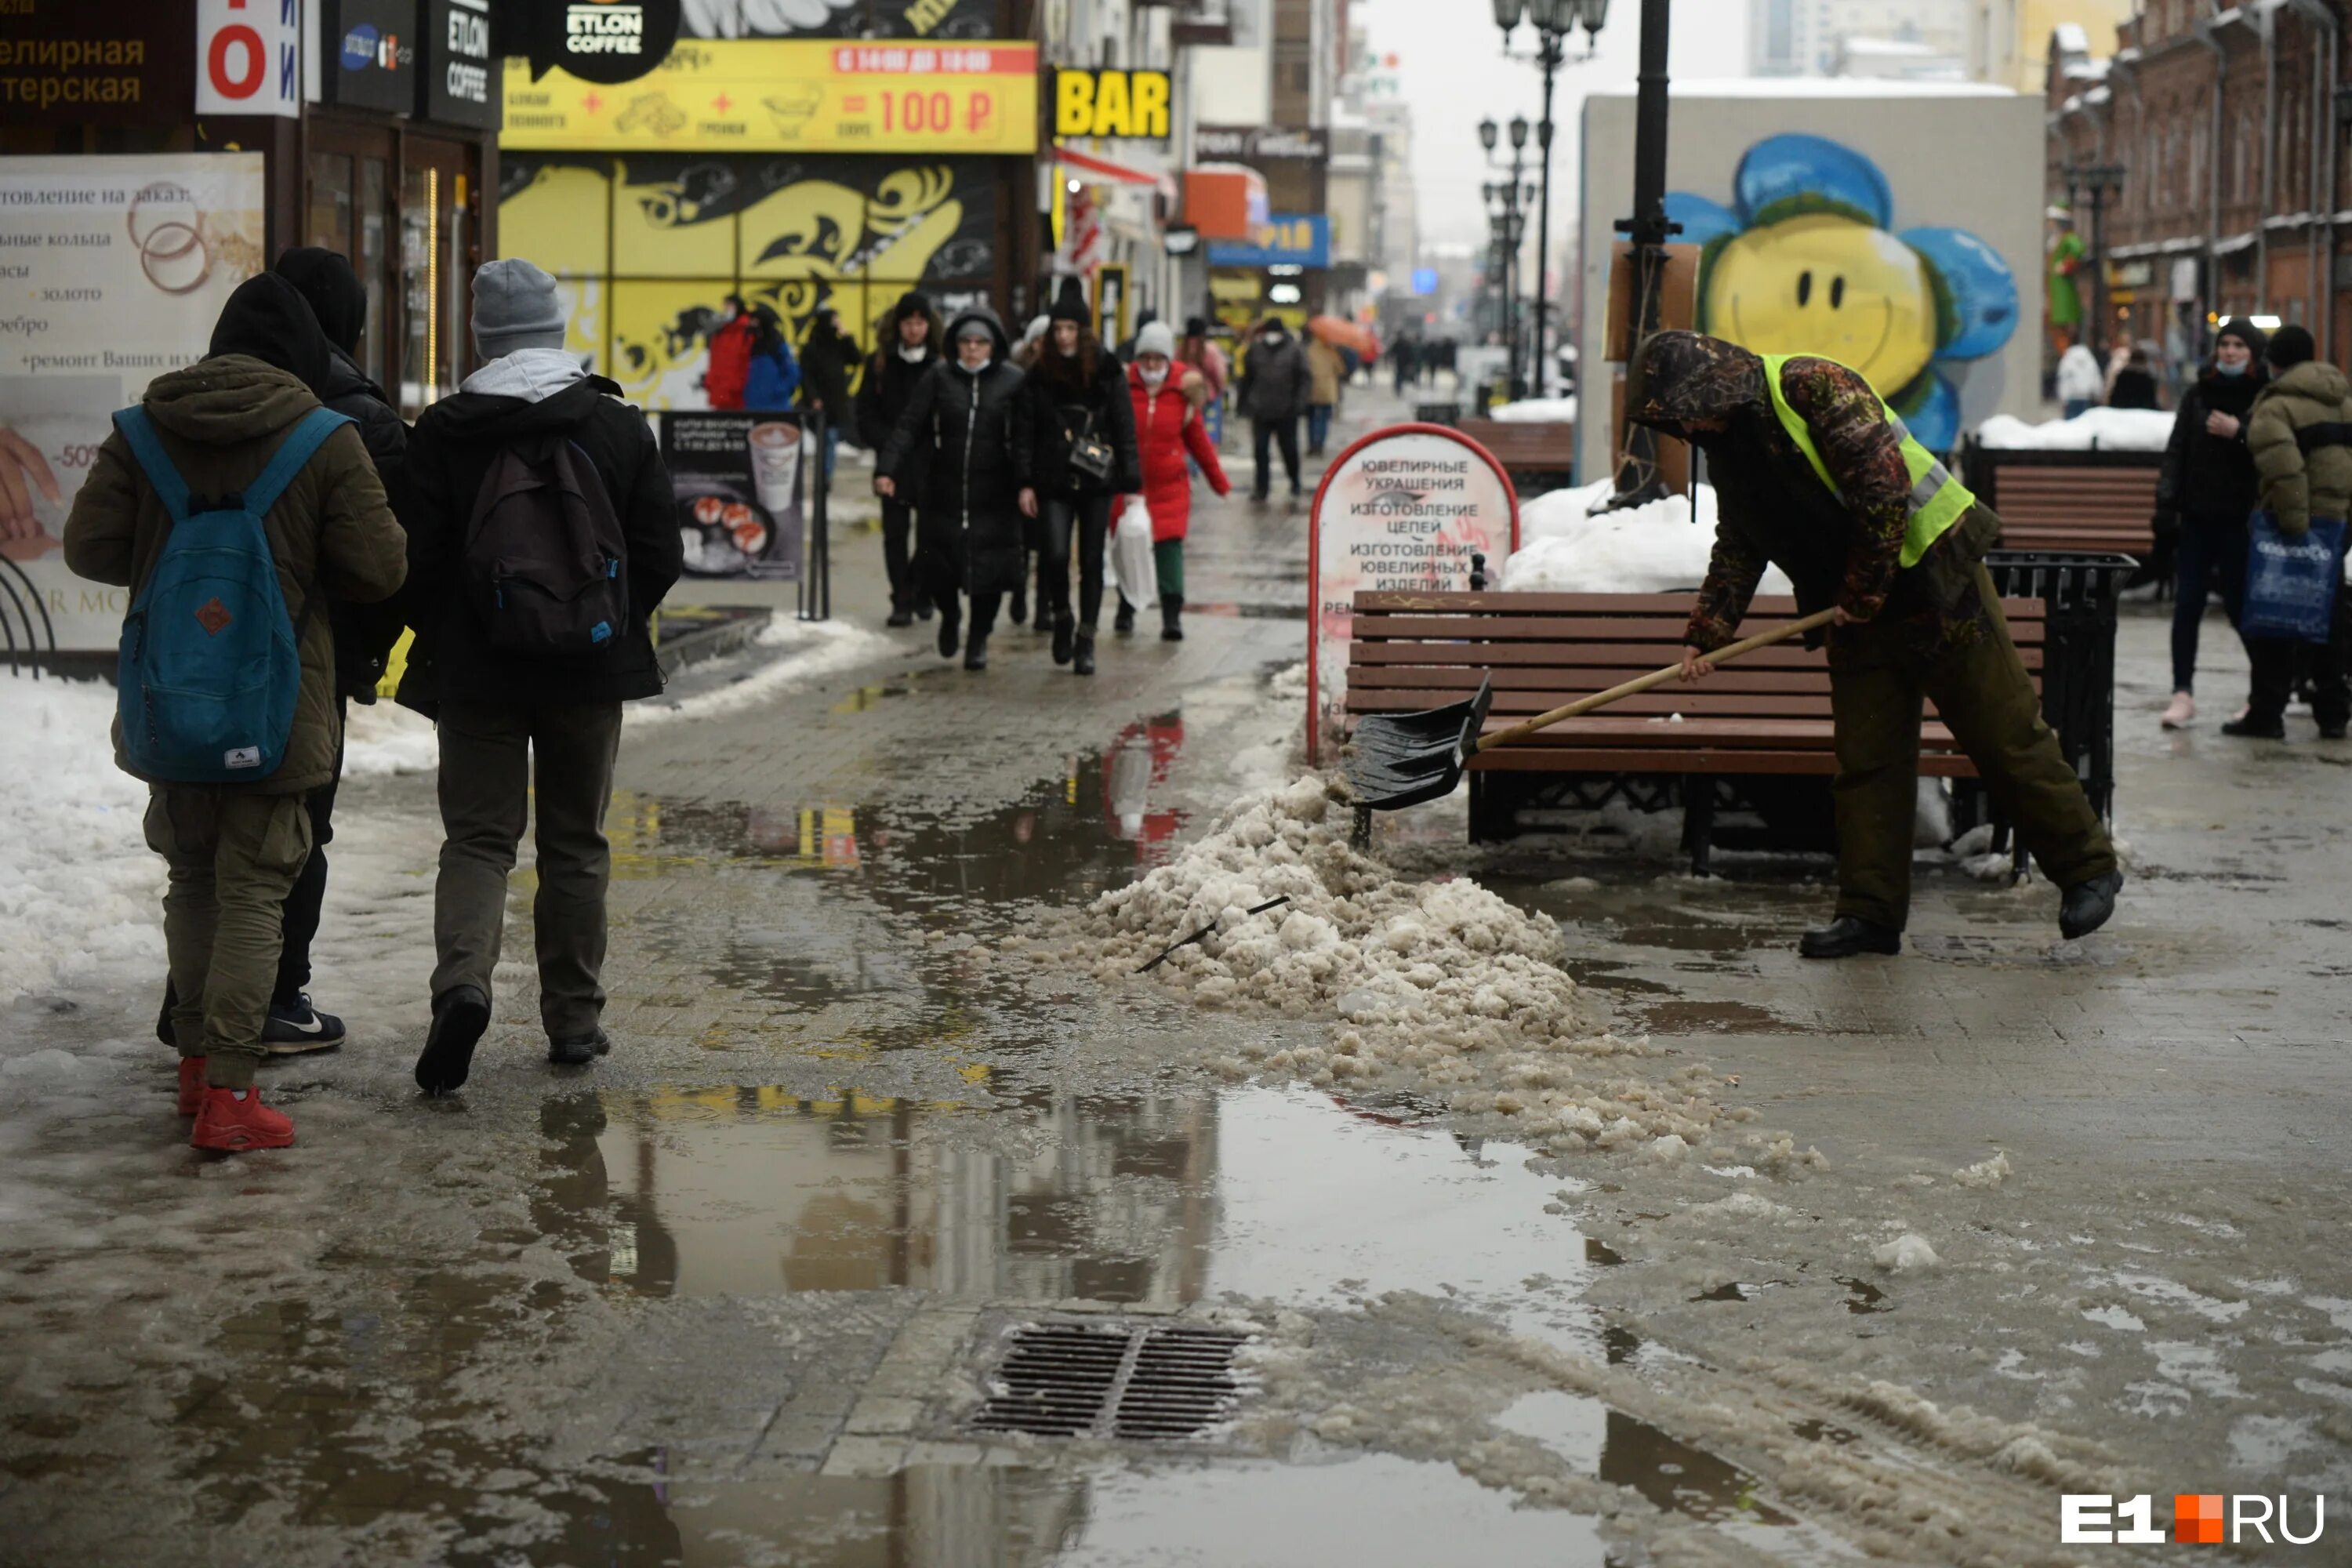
1085,1380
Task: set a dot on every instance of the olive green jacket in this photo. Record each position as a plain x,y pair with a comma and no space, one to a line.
2300,433
220,419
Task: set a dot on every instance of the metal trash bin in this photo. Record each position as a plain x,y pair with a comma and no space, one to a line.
2082,592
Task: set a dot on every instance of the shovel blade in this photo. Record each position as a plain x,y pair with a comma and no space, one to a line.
1403,759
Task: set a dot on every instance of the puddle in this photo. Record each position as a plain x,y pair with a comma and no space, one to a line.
1711,1018
1163,1201
1677,1477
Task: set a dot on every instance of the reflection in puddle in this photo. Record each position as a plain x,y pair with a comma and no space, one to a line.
1599,1441
1278,1194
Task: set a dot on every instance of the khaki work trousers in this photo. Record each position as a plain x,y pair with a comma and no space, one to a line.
232,856
1983,694
496,760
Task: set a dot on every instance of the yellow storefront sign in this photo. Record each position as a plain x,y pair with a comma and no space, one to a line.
1131,104
768,95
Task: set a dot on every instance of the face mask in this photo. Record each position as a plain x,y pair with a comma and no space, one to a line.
1271,340
972,369
2231,370
1153,379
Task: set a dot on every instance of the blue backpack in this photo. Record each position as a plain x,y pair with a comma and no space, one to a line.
210,665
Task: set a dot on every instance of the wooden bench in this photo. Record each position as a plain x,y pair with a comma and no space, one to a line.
2087,502
1539,457
1756,734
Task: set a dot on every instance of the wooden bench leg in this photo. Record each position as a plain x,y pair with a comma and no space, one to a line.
1698,823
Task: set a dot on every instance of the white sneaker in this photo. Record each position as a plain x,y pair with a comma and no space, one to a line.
2182,712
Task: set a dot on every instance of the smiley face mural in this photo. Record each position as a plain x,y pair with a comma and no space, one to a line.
1807,261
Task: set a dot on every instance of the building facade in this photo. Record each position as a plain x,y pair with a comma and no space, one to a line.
2223,189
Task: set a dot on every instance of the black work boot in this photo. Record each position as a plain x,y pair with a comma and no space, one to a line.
459,1015
951,622
1082,655
578,1050
1064,635
1020,611
975,653
1171,617
2248,727
1848,935
1124,622
2087,905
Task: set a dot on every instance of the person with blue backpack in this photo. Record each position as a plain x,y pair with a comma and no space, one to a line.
542,535
231,505
773,376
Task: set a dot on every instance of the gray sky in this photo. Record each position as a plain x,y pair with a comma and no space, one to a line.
1453,74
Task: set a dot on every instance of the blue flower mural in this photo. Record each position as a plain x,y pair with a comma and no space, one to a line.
1806,260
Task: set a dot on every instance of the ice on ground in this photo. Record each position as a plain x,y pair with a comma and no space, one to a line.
81,894
811,649
1985,1174
384,739
1440,987
1931,822
1535,410
1906,1254
1566,547
2105,429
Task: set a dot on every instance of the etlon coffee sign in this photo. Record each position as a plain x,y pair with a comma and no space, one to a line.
1402,511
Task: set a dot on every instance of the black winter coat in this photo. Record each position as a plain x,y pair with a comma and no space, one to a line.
825,363
1058,401
450,453
1275,381
2206,475
890,380
364,634
953,454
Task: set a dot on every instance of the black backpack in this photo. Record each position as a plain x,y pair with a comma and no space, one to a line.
545,563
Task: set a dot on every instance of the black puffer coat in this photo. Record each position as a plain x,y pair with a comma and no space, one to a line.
953,454
364,634
1059,401
2206,475
891,377
449,454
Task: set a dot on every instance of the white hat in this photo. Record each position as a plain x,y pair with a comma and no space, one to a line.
1157,338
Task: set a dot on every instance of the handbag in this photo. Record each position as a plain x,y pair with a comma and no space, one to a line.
2292,582
1090,455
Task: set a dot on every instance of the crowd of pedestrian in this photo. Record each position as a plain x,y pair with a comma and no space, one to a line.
277,526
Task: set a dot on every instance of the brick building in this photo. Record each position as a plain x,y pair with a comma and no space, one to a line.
2222,128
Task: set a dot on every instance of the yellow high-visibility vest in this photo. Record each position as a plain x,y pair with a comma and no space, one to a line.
1938,500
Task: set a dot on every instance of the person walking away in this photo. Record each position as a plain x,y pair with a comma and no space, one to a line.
730,355
827,359
1075,455
905,350
2300,435
774,375
1275,387
2080,380
2132,383
2203,493
363,637
542,536
1404,361
1171,435
1814,474
1327,373
241,422
953,455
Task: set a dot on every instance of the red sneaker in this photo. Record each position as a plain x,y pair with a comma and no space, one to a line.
233,1121
192,1084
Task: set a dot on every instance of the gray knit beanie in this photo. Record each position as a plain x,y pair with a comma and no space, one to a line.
515,308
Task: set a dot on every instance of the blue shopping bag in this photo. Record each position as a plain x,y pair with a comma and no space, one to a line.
2292,582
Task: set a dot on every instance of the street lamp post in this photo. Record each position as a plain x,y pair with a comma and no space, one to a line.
2102,181
1553,21
1637,469
1515,194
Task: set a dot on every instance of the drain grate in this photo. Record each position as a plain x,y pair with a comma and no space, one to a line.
1157,1383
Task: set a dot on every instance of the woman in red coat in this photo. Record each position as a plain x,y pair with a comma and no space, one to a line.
1168,427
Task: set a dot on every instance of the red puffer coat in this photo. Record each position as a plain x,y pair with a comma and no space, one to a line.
1167,425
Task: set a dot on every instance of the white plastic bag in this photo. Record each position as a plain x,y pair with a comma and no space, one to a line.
1130,555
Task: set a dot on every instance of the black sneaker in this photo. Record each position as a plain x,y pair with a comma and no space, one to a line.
460,1015
579,1050
1123,623
2087,905
1081,657
1064,637
976,654
295,1027
1020,611
900,618
2250,728
1848,935
948,639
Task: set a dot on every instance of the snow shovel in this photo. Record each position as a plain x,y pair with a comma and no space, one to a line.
1403,759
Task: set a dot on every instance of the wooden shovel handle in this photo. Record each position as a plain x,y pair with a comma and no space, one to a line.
1641,683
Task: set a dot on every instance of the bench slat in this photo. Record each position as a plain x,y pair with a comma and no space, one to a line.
1479,656
1820,764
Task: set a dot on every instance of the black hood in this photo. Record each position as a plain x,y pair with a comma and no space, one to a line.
1679,376
267,319
987,317
326,279
344,377
487,416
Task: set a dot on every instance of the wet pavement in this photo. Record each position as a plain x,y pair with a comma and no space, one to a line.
738,1294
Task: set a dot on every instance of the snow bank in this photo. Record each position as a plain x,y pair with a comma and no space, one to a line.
1566,547
813,649
1437,988
1535,410
81,894
2108,429
386,739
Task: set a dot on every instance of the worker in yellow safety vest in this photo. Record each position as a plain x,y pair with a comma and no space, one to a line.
1814,474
